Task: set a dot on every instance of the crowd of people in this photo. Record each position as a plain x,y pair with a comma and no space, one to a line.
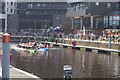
115,36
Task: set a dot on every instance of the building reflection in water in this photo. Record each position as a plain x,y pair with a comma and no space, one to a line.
84,64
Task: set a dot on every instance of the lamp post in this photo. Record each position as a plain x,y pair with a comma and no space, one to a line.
6,16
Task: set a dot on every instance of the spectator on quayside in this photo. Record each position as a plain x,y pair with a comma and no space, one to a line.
113,38
116,37
70,35
60,35
77,36
89,36
104,36
22,39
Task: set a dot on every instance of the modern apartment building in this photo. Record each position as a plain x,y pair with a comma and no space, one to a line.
2,14
37,14
94,14
7,13
42,14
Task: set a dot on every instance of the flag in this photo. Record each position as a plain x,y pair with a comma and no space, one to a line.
83,32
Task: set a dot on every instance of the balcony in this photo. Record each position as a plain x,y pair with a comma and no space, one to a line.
76,13
2,16
48,8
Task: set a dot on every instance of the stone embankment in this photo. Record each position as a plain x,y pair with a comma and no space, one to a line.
98,44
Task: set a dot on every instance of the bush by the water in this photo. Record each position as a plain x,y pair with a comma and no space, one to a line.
51,39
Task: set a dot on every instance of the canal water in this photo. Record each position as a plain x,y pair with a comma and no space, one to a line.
49,64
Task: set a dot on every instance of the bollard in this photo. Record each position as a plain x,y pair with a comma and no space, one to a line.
6,56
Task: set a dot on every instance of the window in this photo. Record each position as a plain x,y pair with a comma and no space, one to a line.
110,17
117,23
114,21
28,5
31,5
15,11
97,3
50,5
105,21
108,5
11,3
117,5
114,17
11,10
110,22
118,17
38,5
43,4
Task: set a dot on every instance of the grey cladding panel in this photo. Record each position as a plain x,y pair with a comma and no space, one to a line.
76,13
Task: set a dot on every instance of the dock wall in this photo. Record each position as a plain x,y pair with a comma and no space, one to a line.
97,44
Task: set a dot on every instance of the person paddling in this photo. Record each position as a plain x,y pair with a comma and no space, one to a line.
35,45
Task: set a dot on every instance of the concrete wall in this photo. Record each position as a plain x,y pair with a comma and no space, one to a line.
0,25
63,20
97,44
41,0
76,13
101,9
13,22
73,1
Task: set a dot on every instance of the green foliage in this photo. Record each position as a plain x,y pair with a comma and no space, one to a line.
42,38
51,39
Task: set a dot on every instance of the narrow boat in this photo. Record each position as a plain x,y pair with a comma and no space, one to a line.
35,50
30,49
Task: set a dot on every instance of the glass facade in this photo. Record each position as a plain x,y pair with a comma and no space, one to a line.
97,22
97,3
77,6
2,24
105,14
42,8
34,14
86,22
2,11
112,21
2,7
77,23
108,5
33,24
46,5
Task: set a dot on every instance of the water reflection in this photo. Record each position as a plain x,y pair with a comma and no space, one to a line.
84,64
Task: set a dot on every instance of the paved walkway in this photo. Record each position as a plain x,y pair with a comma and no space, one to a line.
94,41
16,73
